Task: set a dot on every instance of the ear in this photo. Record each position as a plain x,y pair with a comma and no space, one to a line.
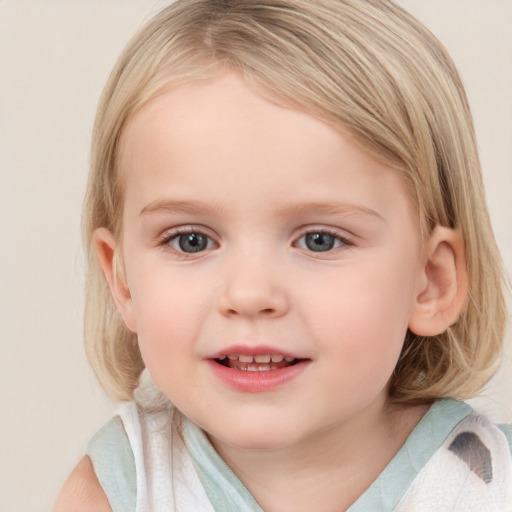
443,284
105,245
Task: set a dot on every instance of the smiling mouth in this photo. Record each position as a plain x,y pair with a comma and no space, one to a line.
256,363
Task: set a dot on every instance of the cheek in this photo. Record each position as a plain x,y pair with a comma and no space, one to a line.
168,311
365,313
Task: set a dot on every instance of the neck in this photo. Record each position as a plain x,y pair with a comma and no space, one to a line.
328,471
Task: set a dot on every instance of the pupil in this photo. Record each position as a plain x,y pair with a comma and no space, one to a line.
193,242
319,241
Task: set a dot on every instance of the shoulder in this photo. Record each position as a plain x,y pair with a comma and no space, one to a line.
82,491
105,479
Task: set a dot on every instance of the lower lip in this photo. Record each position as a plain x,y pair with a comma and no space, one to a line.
256,381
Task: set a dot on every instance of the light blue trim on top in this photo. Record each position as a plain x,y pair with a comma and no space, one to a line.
228,494
428,436
114,465
507,430
224,490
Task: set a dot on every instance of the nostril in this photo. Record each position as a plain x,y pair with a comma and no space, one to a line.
263,312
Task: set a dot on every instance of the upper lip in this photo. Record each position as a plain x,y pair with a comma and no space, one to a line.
256,350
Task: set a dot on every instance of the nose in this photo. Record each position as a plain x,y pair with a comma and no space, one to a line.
252,289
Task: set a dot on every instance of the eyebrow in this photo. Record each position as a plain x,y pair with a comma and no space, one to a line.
176,206
327,208
169,206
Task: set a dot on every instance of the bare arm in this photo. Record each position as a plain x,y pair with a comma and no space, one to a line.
82,491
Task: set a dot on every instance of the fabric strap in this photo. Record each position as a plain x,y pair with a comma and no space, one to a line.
222,486
114,465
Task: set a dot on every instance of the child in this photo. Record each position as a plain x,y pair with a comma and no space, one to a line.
291,269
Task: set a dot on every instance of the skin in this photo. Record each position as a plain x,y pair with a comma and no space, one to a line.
82,491
255,179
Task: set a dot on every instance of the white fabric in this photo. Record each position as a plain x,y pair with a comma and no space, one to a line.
166,478
447,484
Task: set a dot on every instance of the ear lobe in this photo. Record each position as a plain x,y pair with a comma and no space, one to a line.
105,246
443,292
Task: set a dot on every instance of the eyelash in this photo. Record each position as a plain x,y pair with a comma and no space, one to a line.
343,241
166,240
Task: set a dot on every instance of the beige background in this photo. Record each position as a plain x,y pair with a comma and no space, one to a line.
55,56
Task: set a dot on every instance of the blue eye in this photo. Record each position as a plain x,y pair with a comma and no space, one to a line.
321,241
191,242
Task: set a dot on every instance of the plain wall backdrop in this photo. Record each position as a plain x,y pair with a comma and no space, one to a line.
55,56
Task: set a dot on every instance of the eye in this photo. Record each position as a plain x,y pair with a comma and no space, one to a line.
321,241
189,242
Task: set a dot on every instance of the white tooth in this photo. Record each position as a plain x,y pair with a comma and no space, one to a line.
262,359
277,359
289,359
221,358
264,368
233,357
253,368
245,359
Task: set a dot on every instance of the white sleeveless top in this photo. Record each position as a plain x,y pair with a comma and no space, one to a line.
454,461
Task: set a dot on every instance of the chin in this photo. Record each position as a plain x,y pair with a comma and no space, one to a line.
256,438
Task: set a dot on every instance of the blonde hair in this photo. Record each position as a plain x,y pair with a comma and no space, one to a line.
369,69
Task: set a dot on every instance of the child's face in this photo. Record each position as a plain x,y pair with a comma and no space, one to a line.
256,230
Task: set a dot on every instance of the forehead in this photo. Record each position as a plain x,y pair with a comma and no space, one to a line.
217,139
211,106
